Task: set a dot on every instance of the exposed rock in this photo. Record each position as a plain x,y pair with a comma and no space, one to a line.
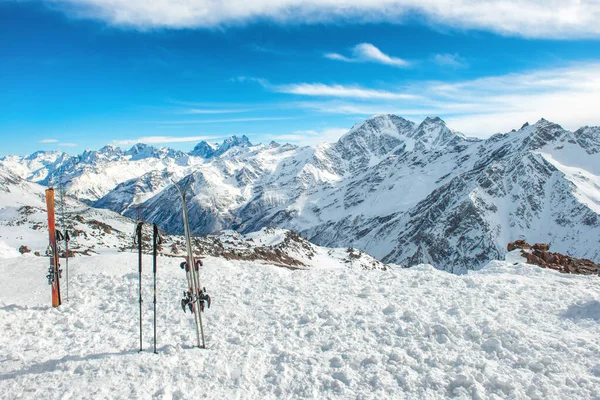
101,226
541,247
539,255
70,254
24,249
518,244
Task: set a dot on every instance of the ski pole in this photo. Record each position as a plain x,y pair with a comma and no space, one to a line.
156,240
139,240
67,238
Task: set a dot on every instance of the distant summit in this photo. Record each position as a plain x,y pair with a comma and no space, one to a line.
232,142
204,150
210,150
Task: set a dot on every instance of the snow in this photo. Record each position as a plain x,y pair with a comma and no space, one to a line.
506,331
267,236
514,257
8,252
586,181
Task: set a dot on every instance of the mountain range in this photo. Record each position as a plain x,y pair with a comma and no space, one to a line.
406,193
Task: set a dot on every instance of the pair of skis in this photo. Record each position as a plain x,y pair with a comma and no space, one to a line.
195,298
55,272
156,241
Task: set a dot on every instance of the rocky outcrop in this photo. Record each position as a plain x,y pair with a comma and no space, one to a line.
24,249
539,255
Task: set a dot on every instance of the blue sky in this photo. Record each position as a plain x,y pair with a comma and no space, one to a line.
77,75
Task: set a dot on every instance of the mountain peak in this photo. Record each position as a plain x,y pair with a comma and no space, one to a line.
433,131
544,123
233,141
139,148
237,141
543,132
44,154
382,124
433,120
110,151
209,150
109,148
204,149
140,151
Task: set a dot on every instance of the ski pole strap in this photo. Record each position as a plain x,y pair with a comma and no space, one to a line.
59,235
67,237
157,235
138,233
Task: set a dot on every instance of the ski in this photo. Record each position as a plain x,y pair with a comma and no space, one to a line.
156,241
54,270
195,298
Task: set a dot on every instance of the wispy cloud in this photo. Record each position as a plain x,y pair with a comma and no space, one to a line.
162,140
369,108
450,60
558,19
366,52
48,141
323,90
481,107
208,111
217,121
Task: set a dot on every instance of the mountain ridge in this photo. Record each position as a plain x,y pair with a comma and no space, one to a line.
407,193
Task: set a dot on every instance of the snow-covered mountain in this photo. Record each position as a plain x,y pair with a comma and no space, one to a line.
404,192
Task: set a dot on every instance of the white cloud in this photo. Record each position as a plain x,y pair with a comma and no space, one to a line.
371,108
339,57
528,18
48,141
481,107
162,140
311,137
366,52
323,90
450,60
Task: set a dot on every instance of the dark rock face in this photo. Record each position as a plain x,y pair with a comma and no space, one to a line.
204,150
539,254
123,198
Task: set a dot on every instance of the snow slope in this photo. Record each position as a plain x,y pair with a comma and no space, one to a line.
507,331
24,220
